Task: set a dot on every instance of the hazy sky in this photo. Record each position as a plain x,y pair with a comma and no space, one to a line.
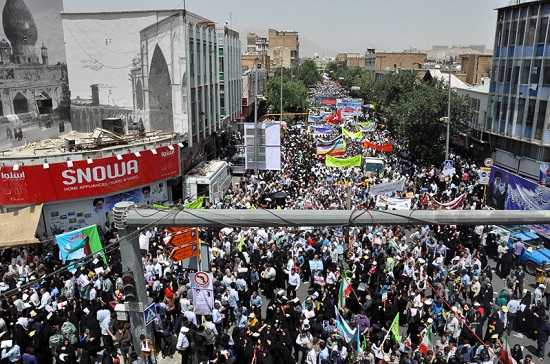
345,26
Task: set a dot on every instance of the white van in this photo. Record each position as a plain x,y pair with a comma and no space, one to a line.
373,165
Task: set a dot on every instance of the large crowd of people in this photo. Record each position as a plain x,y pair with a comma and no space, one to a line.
276,289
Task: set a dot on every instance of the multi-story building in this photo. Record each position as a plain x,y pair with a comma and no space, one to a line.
231,83
477,67
517,120
254,91
185,75
286,44
380,64
352,60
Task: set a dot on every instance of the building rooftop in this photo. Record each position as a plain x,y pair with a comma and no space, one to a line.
100,140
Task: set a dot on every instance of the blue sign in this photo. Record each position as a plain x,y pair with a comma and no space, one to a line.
149,314
508,191
448,163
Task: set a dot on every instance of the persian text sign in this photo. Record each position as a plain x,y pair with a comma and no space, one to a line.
349,108
36,184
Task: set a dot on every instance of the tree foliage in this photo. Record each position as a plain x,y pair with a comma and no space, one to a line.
307,73
294,95
412,107
416,115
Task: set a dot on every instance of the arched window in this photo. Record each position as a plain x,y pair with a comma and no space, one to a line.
20,104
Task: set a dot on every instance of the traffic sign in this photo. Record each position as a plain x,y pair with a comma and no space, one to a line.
201,279
184,237
489,162
150,313
448,163
484,175
184,252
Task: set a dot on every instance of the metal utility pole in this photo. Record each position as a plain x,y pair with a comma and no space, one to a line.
281,54
448,114
130,254
256,116
287,218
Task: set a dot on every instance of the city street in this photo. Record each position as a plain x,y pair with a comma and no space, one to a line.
529,346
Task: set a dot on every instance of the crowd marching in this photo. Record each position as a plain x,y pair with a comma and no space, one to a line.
382,294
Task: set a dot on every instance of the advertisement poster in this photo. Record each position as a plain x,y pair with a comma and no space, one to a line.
79,244
86,178
508,191
75,215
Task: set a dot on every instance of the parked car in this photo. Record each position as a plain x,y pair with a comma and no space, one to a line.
534,253
237,164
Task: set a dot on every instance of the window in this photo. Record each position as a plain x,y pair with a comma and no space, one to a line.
546,74
506,34
531,32
475,104
543,27
541,119
513,32
521,32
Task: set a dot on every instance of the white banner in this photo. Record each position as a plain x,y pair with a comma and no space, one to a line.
203,292
387,188
390,203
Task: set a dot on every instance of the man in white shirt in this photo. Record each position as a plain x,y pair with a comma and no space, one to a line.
183,345
190,314
330,278
293,284
46,298
144,238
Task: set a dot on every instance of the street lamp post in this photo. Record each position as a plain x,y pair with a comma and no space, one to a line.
281,88
448,114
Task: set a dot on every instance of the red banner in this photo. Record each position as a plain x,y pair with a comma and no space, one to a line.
36,184
379,147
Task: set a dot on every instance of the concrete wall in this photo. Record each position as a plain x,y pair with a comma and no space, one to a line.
476,66
288,39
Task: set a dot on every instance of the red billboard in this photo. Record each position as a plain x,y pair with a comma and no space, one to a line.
86,178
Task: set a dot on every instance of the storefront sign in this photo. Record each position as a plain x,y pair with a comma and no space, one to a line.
85,178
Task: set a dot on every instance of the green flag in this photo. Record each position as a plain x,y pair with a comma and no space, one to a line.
196,204
349,134
331,161
162,207
394,329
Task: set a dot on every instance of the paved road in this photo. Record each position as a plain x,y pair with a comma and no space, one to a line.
498,284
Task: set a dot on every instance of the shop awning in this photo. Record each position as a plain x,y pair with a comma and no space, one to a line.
19,227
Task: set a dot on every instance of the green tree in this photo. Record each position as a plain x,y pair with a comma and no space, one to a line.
307,73
294,95
416,116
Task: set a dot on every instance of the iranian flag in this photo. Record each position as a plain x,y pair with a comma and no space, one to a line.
505,354
345,291
427,342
